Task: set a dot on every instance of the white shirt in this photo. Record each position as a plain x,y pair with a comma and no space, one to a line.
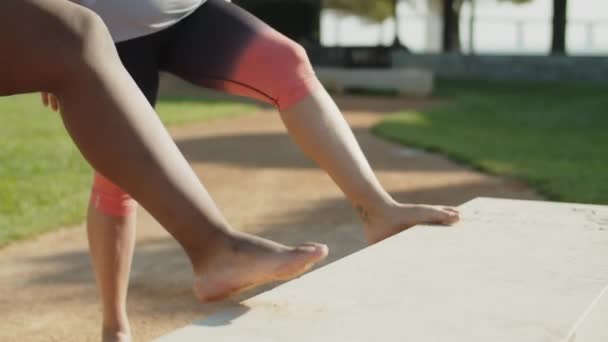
128,19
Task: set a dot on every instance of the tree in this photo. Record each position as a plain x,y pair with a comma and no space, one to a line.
382,9
451,23
558,36
377,11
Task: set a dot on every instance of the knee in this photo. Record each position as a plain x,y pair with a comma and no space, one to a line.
296,78
93,39
53,49
110,199
295,57
85,43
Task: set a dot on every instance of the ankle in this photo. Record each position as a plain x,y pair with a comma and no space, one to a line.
117,332
372,211
203,257
117,323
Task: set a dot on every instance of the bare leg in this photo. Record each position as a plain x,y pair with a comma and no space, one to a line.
111,243
111,246
59,47
259,62
319,128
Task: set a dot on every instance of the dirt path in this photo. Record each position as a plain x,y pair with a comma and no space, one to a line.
264,185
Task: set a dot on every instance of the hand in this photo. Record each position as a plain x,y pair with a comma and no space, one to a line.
50,99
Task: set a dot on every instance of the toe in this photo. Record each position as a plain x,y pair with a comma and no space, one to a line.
304,257
451,216
319,250
444,215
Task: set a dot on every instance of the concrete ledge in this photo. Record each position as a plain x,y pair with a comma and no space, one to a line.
520,271
593,324
406,81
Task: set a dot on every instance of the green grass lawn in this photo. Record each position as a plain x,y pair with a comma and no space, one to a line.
554,136
44,182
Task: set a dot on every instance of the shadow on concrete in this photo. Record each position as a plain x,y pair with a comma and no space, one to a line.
277,150
225,317
331,221
161,278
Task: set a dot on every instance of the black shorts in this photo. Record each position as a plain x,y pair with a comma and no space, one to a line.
222,47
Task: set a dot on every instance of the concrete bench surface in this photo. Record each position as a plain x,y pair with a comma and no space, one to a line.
511,270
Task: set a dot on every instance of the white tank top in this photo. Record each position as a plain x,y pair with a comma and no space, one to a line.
128,19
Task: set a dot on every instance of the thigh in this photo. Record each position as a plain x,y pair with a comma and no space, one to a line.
39,39
224,47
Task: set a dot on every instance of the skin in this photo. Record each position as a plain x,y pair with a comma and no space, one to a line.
319,128
74,58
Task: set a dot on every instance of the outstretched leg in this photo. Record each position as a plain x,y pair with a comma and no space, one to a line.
251,59
318,127
62,48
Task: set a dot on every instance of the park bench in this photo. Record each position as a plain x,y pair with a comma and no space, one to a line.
516,271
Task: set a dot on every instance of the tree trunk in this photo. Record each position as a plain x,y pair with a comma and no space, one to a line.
396,42
472,28
558,41
451,25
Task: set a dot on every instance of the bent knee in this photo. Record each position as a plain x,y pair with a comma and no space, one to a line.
110,199
93,38
295,57
292,73
277,69
53,48
84,43
45,42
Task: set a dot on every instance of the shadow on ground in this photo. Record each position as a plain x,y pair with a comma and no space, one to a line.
161,279
330,221
273,150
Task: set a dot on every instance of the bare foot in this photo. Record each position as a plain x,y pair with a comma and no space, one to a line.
248,261
381,224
